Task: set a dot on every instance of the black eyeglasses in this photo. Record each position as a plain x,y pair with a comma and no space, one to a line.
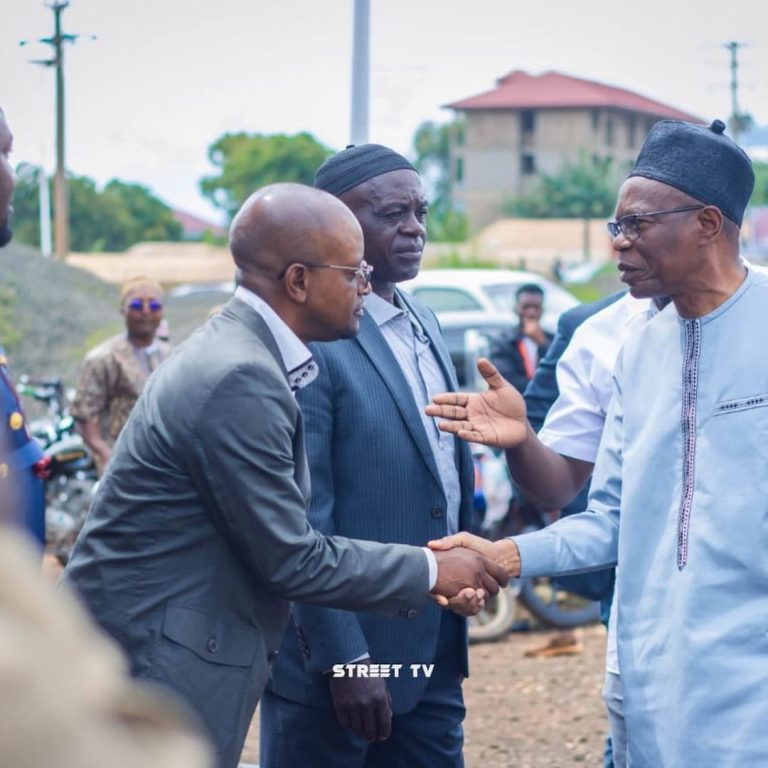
629,225
363,272
137,305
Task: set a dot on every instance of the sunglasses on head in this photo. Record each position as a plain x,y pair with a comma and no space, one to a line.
136,305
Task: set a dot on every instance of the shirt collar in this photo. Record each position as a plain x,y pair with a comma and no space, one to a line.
383,312
639,308
380,309
297,358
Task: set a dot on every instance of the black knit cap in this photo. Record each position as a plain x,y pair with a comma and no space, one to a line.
354,165
700,161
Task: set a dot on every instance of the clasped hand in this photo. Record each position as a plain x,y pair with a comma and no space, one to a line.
504,554
467,575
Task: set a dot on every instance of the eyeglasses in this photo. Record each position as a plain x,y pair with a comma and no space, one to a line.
363,272
629,225
137,305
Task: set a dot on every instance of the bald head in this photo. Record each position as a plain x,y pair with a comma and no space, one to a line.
285,223
301,250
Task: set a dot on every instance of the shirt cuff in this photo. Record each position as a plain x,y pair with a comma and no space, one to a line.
537,555
432,560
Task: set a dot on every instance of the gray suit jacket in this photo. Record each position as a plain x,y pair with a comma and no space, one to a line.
198,535
374,476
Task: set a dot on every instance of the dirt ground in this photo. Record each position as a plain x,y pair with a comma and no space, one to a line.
527,712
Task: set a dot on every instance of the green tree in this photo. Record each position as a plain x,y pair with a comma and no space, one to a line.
760,194
432,146
112,219
585,189
248,161
140,214
26,205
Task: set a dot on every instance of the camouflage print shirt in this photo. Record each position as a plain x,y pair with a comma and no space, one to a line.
113,376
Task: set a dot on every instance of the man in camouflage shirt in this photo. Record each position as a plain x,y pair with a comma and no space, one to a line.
114,373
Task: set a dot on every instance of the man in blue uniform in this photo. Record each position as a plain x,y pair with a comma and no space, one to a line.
20,460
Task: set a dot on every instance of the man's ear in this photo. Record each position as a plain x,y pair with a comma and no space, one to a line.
710,222
296,281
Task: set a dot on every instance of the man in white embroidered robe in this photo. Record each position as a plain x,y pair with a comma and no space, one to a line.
680,490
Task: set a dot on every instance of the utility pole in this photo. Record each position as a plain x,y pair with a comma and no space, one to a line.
60,199
361,76
738,121
45,213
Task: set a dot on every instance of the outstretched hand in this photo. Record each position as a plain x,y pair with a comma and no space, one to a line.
496,417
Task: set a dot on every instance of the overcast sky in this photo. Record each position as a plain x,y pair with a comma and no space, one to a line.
164,78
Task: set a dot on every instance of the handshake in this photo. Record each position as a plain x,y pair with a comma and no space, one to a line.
469,568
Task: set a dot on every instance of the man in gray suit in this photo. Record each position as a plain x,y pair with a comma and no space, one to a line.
198,535
367,407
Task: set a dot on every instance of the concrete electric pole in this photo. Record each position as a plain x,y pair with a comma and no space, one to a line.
60,199
361,76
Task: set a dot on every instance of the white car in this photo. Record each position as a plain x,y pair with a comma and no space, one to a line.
483,291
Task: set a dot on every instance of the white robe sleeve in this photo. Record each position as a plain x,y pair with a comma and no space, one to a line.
587,541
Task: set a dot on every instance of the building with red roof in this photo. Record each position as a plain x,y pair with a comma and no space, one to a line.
195,228
530,125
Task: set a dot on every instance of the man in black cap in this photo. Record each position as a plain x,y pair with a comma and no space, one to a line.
682,463
380,469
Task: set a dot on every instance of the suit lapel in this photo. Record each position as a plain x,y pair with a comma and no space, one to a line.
256,323
378,352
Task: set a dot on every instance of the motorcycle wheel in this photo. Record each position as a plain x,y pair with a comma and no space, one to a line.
496,619
555,607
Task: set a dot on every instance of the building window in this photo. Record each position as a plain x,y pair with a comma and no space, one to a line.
459,134
459,170
528,165
595,120
631,132
609,131
528,120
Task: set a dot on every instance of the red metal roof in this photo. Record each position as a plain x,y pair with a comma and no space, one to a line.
194,226
550,90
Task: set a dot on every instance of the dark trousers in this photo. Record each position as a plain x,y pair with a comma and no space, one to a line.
294,735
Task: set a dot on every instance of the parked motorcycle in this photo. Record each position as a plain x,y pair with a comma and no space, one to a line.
73,477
